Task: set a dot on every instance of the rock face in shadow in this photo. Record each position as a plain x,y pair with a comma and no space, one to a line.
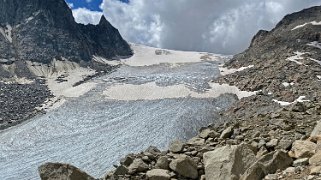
38,30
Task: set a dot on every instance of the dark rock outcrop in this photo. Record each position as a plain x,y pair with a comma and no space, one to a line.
38,30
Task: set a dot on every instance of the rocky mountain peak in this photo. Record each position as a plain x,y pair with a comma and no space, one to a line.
37,30
103,22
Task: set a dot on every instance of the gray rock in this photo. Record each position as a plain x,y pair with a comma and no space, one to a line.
317,129
196,141
268,164
162,163
158,174
315,170
138,165
302,149
58,171
301,162
184,166
153,150
126,161
316,159
271,177
284,144
227,132
272,143
204,133
121,170
214,134
228,162
176,146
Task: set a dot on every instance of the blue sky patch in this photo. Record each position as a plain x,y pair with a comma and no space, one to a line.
92,5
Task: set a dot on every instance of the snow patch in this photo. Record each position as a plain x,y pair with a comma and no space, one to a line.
60,77
315,23
317,61
17,80
286,84
315,44
7,33
150,91
296,57
226,71
148,56
284,103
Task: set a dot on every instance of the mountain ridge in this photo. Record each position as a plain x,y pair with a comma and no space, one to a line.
43,30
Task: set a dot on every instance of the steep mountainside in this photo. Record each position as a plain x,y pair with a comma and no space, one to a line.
286,59
38,30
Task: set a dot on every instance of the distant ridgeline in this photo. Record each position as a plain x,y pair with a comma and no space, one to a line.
41,30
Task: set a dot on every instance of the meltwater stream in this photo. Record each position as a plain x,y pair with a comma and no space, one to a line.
93,132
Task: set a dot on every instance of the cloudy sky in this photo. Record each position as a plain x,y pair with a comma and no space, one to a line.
220,26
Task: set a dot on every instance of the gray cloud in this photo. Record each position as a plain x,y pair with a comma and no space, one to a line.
221,26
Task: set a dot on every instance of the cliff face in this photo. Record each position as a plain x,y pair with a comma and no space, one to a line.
38,30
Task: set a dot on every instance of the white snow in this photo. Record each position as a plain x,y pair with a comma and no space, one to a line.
7,32
148,56
150,91
284,103
317,61
72,73
296,57
315,23
226,71
18,80
315,44
286,84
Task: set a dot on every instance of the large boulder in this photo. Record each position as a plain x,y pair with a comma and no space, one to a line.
185,166
158,174
59,171
315,159
176,146
162,163
302,149
138,165
227,132
317,129
228,162
268,164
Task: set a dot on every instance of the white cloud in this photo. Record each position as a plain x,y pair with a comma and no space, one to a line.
89,1
86,16
221,26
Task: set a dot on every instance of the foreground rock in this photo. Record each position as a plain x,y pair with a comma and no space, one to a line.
184,166
158,174
228,162
268,164
58,171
